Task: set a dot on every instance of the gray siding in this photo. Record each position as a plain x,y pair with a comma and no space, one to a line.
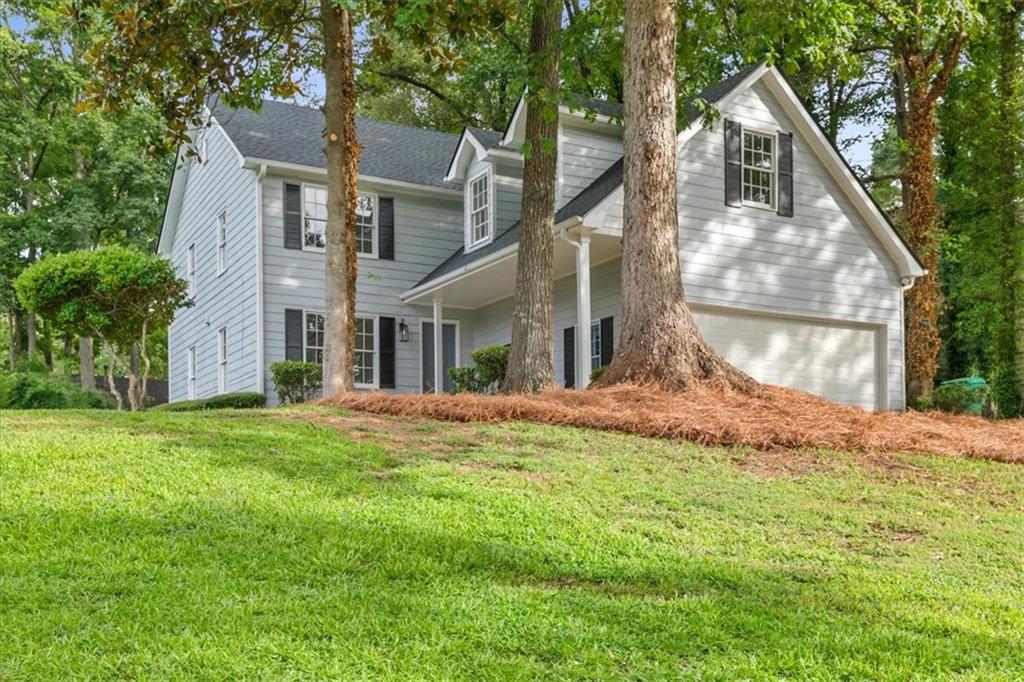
427,231
224,300
823,263
584,153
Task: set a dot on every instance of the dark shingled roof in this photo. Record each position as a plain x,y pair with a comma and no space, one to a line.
582,203
291,133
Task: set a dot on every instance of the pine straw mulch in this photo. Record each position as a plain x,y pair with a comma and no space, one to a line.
773,417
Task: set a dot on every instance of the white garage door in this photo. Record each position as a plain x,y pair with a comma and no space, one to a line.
834,361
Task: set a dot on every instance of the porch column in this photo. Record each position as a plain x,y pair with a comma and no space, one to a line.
583,309
438,346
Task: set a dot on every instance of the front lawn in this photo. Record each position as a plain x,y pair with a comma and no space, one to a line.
319,544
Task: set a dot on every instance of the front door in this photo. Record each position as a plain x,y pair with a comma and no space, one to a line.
448,352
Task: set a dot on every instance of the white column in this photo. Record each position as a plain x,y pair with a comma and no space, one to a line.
438,346
583,310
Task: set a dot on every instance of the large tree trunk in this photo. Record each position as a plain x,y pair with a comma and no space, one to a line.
921,232
660,341
86,362
531,364
342,152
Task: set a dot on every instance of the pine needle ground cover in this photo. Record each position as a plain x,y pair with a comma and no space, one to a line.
772,417
320,544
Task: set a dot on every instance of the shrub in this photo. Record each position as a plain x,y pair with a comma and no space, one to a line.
490,363
242,401
958,398
295,381
597,373
33,391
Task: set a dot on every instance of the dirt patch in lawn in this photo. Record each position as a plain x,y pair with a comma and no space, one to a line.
770,419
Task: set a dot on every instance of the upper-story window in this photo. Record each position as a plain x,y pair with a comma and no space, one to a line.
758,169
479,211
314,217
191,266
222,242
314,221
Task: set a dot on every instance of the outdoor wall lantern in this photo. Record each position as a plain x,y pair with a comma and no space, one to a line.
403,331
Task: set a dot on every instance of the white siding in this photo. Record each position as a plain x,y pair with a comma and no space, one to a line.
584,153
823,262
217,185
427,231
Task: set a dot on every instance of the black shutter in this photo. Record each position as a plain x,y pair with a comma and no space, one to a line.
293,331
387,352
386,229
292,216
786,174
733,163
607,340
569,356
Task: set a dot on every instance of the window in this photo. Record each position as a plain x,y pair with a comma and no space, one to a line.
222,360
758,169
366,225
314,221
479,209
222,242
595,344
366,351
314,218
313,338
191,270
191,372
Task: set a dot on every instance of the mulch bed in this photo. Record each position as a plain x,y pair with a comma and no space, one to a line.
771,418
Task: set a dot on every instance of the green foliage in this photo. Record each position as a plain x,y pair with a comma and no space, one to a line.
956,399
597,373
241,401
486,374
112,293
295,381
36,391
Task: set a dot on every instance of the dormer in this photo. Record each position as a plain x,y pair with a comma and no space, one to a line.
475,165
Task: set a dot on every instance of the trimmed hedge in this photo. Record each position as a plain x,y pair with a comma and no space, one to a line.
31,391
487,373
297,382
242,401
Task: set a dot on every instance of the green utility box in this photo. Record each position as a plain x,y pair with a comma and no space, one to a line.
978,387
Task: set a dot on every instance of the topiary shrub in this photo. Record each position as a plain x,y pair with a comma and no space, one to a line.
295,381
490,363
245,400
32,391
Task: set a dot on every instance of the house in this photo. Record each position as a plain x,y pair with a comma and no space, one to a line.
793,272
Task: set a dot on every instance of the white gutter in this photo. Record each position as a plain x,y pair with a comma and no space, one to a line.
260,174
904,288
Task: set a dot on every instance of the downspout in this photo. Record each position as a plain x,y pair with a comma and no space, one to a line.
262,173
906,283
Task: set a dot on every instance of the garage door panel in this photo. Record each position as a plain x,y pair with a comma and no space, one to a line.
832,360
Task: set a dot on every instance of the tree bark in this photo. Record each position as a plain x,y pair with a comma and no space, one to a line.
342,155
86,362
531,363
660,341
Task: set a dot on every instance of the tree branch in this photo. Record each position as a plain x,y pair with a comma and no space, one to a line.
469,119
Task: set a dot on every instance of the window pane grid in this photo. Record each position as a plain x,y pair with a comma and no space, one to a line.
364,360
366,217
314,217
758,168
479,203
595,345
313,343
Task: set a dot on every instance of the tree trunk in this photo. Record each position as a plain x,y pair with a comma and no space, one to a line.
12,339
342,155
86,362
899,92
31,334
531,363
111,387
660,341
922,235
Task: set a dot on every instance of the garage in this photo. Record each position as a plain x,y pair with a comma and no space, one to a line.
836,361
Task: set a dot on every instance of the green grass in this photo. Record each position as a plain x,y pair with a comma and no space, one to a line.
229,545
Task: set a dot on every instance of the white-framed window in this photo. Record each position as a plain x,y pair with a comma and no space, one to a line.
191,372
313,337
759,154
365,364
222,242
314,221
314,217
479,209
595,344
191,268
366,225
222,360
